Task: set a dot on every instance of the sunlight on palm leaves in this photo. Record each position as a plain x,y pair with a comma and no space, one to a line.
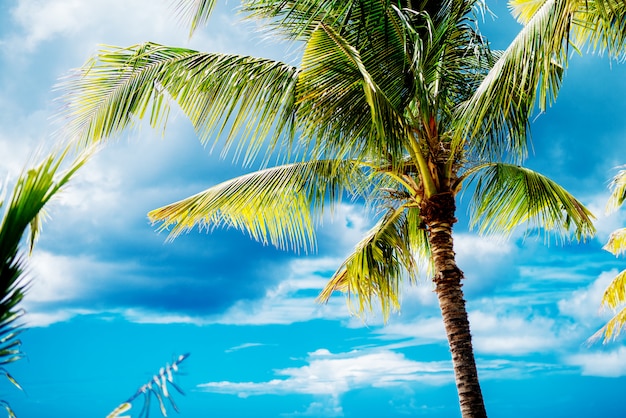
618,192
508,195
382,260
32,191
598,24
272,205
615,293
157,387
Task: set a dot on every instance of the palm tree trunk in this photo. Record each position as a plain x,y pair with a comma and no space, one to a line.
438,214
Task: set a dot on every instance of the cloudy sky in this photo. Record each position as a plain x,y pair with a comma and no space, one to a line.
112,301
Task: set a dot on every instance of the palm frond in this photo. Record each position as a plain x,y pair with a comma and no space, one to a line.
617,242
496,117
612,329
33,189
601,24
507,196
194,13
615,293
273,205
389,253
157,386
618,191
297,19
524,10
250,98
8,408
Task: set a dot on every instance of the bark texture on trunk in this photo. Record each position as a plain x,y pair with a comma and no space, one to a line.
438,214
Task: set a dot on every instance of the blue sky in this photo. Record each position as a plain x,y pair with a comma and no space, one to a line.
111,302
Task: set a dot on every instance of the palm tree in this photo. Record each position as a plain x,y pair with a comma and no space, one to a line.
399,104
32,191
615,294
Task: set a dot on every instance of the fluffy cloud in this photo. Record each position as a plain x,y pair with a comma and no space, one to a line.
601,363
512,333
329,375
118,22
583,305
485,261
334,374
43,21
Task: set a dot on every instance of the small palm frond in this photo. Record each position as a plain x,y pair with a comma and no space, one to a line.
524,10
615,293
157,386
496,117
617,242
7,407
194,13
273,205
601,25
249,98
389,253
618,191
297,19
507,196
33,190
612,329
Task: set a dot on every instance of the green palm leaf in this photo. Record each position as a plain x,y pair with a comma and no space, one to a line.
599,24
251,97
390,252
297,19
613,327
615,293
507,196
496,116
273,205
618,191
32,191
194,13
617,242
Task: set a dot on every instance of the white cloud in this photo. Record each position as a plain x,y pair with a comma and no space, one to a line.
44,19
87,24
603,364
481,249
98,21
584,304
59,278
329,407
335,374
244,346
512,333
331,375
44,319
281,308
417,331
485,261
343,229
